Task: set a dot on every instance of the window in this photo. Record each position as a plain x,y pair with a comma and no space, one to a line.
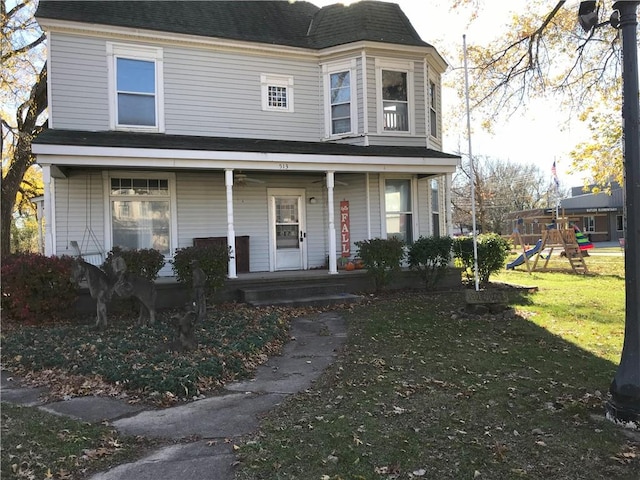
589,224
340,97
398,209
135,87
141,213
395,104
394,85
619,223
277,93
435,207
340,102
433,109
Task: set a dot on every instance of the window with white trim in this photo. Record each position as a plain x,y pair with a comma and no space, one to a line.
277,92
340,98
140,213
398,209
136,92
589,224
435,207
433,109
395,96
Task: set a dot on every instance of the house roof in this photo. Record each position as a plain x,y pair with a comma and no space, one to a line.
279,22
225,144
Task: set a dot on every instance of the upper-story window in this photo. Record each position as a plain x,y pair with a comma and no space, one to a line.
135,87
394,82
433,109
277,92
340,106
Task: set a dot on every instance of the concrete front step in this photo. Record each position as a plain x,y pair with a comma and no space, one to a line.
290,291
319,294
315,301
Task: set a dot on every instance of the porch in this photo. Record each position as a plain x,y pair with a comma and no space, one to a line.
292,288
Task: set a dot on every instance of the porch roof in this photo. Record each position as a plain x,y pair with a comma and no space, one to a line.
135,140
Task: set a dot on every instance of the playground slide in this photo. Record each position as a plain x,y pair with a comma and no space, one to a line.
528,253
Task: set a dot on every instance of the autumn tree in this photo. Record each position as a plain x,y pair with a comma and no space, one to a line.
543,53
501,187
23,96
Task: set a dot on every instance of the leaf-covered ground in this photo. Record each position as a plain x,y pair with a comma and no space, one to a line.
136,363
424,390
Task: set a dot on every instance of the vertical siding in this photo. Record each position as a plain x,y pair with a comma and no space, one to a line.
80,213
78,76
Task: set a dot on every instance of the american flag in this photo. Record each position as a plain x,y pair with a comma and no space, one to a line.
554,172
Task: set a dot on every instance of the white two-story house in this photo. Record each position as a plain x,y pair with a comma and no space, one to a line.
286,130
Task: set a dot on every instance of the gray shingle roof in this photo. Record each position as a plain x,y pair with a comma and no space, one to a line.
224,144
280,22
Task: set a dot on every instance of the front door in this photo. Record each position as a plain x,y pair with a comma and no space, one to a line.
287,231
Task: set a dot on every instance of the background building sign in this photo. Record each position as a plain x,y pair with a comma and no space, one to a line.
345,235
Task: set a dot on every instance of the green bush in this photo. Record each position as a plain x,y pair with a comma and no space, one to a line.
37,289
212,259
492,253
382,258
145,263
430,256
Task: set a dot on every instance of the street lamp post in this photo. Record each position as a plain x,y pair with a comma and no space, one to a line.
624,405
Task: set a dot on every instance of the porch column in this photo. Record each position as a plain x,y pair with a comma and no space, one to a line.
447,204
333,263
231,234
47,180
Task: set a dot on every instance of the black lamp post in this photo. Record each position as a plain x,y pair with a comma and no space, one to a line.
624,405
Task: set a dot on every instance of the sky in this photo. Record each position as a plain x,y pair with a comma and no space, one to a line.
534,136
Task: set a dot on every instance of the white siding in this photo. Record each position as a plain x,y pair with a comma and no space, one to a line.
76,222
78,76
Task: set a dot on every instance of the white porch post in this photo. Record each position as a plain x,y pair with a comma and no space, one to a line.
231,234
447,204
47,180
333,264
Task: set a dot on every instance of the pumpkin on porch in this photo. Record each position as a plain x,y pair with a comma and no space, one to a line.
350,266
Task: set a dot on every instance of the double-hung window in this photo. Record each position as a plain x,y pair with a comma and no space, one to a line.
340,104
141,209
136,93
433,109
398,208
435,207
394,82
277,92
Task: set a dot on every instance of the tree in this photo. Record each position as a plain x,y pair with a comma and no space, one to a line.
23,95
501,187
544,53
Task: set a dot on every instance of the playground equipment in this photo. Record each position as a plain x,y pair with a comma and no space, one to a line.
558,234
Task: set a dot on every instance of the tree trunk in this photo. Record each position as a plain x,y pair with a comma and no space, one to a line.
27,117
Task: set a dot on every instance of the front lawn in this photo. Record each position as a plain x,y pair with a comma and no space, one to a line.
426,391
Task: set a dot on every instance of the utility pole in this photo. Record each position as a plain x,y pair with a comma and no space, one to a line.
624,405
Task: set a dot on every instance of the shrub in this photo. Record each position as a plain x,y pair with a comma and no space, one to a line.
430,256
492,253
37,289
382,258
212,259
145,262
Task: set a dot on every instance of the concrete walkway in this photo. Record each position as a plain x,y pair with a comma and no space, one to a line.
233,413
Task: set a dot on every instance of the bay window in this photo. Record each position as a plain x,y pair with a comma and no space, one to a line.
398,206
340,98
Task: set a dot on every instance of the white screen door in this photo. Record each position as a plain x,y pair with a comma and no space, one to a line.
287,229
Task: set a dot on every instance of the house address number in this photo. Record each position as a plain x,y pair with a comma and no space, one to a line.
284,166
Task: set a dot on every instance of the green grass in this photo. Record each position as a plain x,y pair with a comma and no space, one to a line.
39,445
425,390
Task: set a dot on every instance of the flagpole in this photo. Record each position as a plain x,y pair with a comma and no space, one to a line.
473,169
